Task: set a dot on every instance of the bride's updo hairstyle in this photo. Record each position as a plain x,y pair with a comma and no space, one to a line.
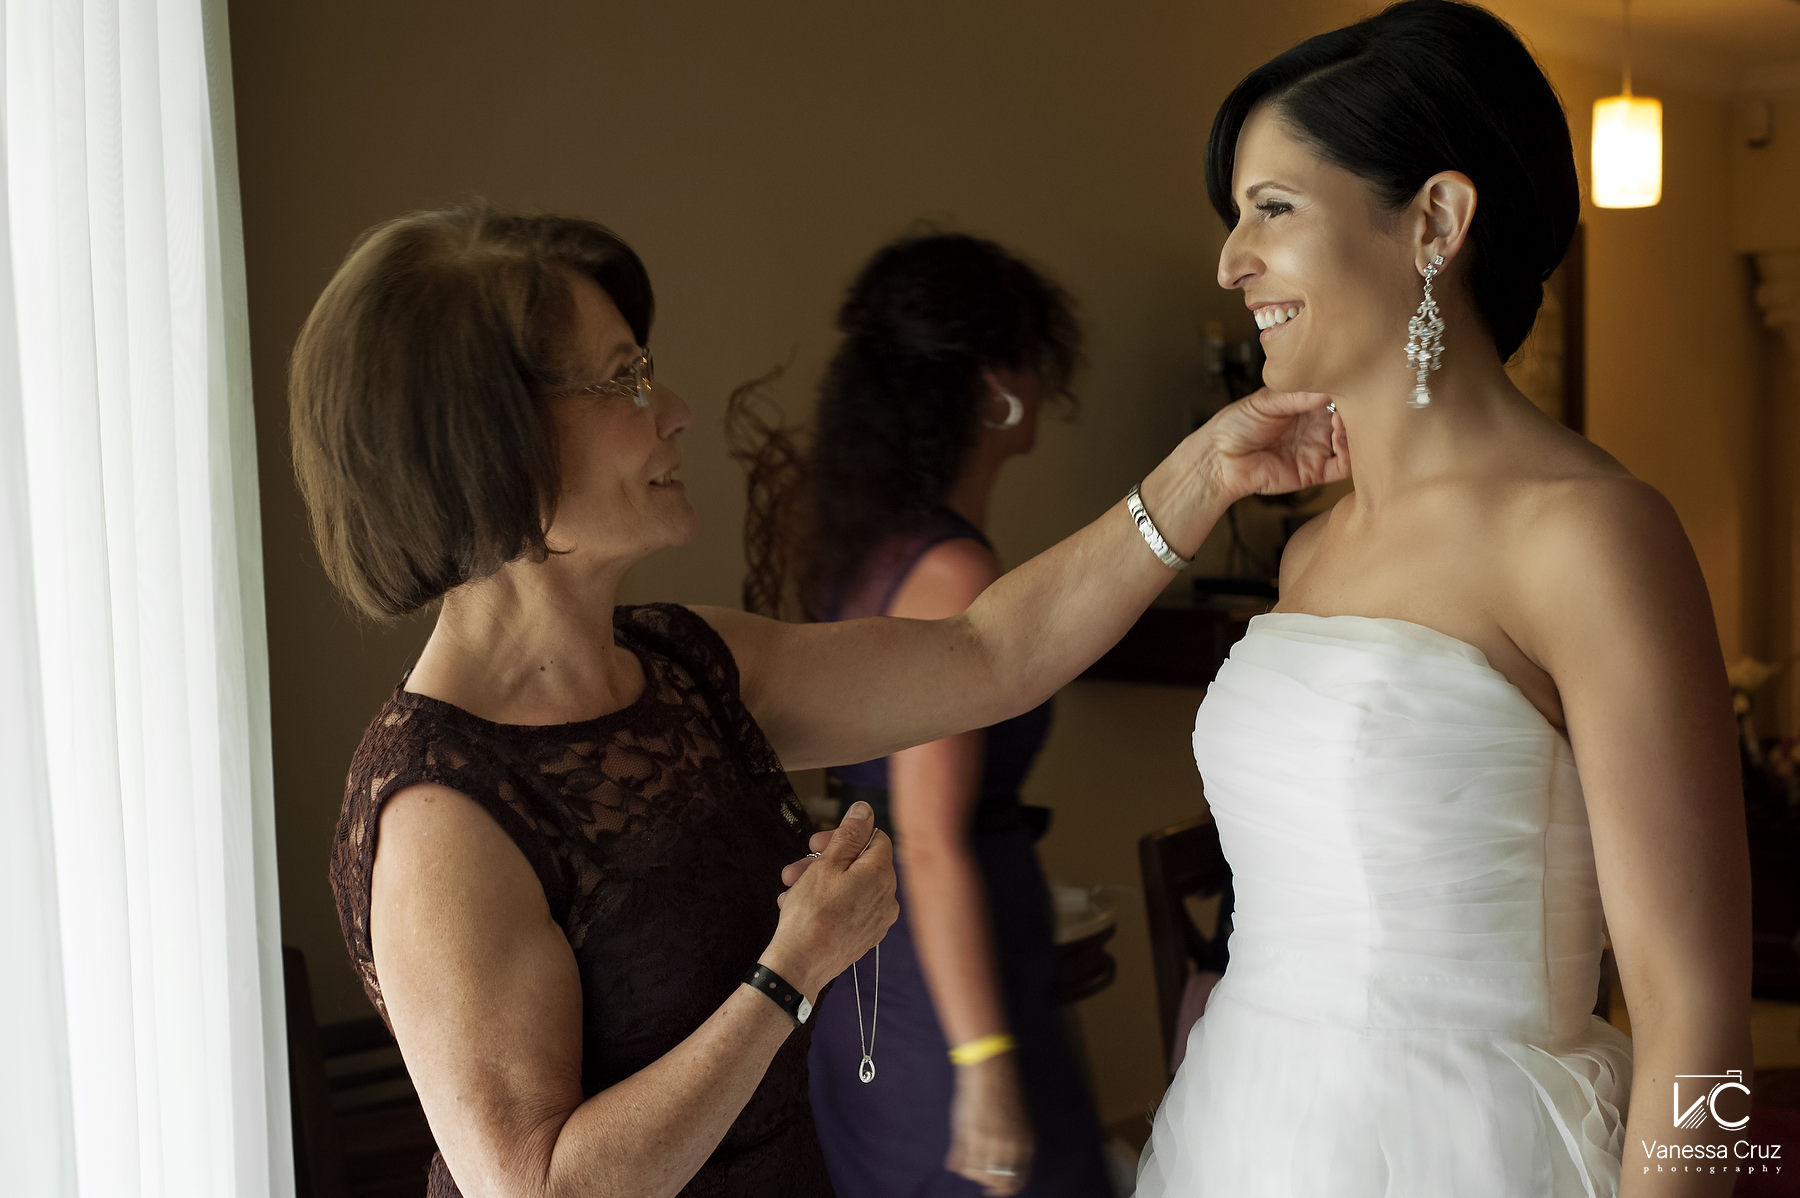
1422,87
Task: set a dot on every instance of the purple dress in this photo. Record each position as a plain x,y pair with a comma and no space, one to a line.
888,1139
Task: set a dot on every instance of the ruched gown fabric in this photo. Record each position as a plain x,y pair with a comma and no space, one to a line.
1416,940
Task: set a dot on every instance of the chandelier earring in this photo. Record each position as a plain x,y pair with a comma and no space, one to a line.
1015,411
1425,339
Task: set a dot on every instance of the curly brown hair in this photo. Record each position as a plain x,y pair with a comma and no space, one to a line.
898,410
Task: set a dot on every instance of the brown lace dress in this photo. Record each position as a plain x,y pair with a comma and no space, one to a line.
658,833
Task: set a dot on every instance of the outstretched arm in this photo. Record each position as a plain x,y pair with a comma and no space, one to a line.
826,694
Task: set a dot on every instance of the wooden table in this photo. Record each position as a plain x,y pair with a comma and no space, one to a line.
1083,966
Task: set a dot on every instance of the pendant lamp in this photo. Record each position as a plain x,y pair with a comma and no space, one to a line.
1627,166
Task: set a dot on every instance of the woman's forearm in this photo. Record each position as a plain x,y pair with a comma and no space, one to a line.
829,694
1661,1160
650,1133
947,905
826,694
1043,622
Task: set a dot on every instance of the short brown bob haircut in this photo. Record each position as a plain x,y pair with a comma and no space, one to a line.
420,442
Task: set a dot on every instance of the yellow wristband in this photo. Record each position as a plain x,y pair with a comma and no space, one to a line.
977,1051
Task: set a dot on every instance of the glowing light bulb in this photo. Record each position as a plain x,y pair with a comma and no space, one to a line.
1627,152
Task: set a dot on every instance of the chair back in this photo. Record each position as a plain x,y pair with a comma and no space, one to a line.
359,1130
1180,862
318,1156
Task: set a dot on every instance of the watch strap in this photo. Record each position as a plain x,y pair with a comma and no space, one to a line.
766,981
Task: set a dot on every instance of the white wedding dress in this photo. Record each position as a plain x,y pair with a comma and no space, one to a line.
1416,942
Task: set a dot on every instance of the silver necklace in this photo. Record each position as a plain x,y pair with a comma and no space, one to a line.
866,1071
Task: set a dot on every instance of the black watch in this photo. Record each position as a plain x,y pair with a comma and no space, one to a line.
766,981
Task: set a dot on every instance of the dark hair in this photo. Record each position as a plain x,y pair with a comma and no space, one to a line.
1422,87
899,408
420,443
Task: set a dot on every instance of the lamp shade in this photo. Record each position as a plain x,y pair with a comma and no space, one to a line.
1627,152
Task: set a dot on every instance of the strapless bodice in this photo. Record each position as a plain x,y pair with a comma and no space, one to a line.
1416,934
1406,831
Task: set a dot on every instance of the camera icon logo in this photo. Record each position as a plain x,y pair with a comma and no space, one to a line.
1707,1104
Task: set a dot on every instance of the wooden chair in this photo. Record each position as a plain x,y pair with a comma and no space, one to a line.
1178,863
358,1132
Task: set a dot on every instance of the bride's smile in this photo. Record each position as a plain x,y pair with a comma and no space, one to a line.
1327,273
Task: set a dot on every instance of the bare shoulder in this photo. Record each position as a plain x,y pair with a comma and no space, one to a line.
743,632
1595,522
946,579
443,870
1598,556
430,820
1552,496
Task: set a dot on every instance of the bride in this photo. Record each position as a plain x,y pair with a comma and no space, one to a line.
1490,707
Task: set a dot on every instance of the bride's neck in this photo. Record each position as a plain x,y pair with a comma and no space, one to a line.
1395,447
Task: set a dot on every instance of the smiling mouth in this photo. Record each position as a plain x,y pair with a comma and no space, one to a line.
1275,315
666,479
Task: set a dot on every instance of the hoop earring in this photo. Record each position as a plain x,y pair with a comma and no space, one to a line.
1425,339
1015,411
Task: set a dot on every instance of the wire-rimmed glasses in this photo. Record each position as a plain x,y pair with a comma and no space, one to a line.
633,382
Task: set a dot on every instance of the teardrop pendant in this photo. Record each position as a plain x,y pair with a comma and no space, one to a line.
866,1071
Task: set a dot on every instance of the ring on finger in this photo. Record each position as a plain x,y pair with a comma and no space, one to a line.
1002,1171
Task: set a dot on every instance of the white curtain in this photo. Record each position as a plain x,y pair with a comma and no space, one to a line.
141,1032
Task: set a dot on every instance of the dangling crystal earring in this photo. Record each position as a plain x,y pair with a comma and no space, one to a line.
1425,338
1015,411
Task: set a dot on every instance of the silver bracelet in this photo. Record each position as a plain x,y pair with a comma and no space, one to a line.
1147,529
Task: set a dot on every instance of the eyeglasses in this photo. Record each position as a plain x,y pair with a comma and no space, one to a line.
633,382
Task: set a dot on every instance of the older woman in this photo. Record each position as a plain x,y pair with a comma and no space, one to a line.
560,862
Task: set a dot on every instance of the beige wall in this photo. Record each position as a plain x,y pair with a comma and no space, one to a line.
754,154
1765,222
1763,177
1675,367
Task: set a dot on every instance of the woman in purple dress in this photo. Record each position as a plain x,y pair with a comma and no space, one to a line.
950,348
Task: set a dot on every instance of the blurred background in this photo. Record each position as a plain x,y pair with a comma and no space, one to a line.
756,154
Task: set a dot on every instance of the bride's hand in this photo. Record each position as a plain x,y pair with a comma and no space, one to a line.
1275,441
